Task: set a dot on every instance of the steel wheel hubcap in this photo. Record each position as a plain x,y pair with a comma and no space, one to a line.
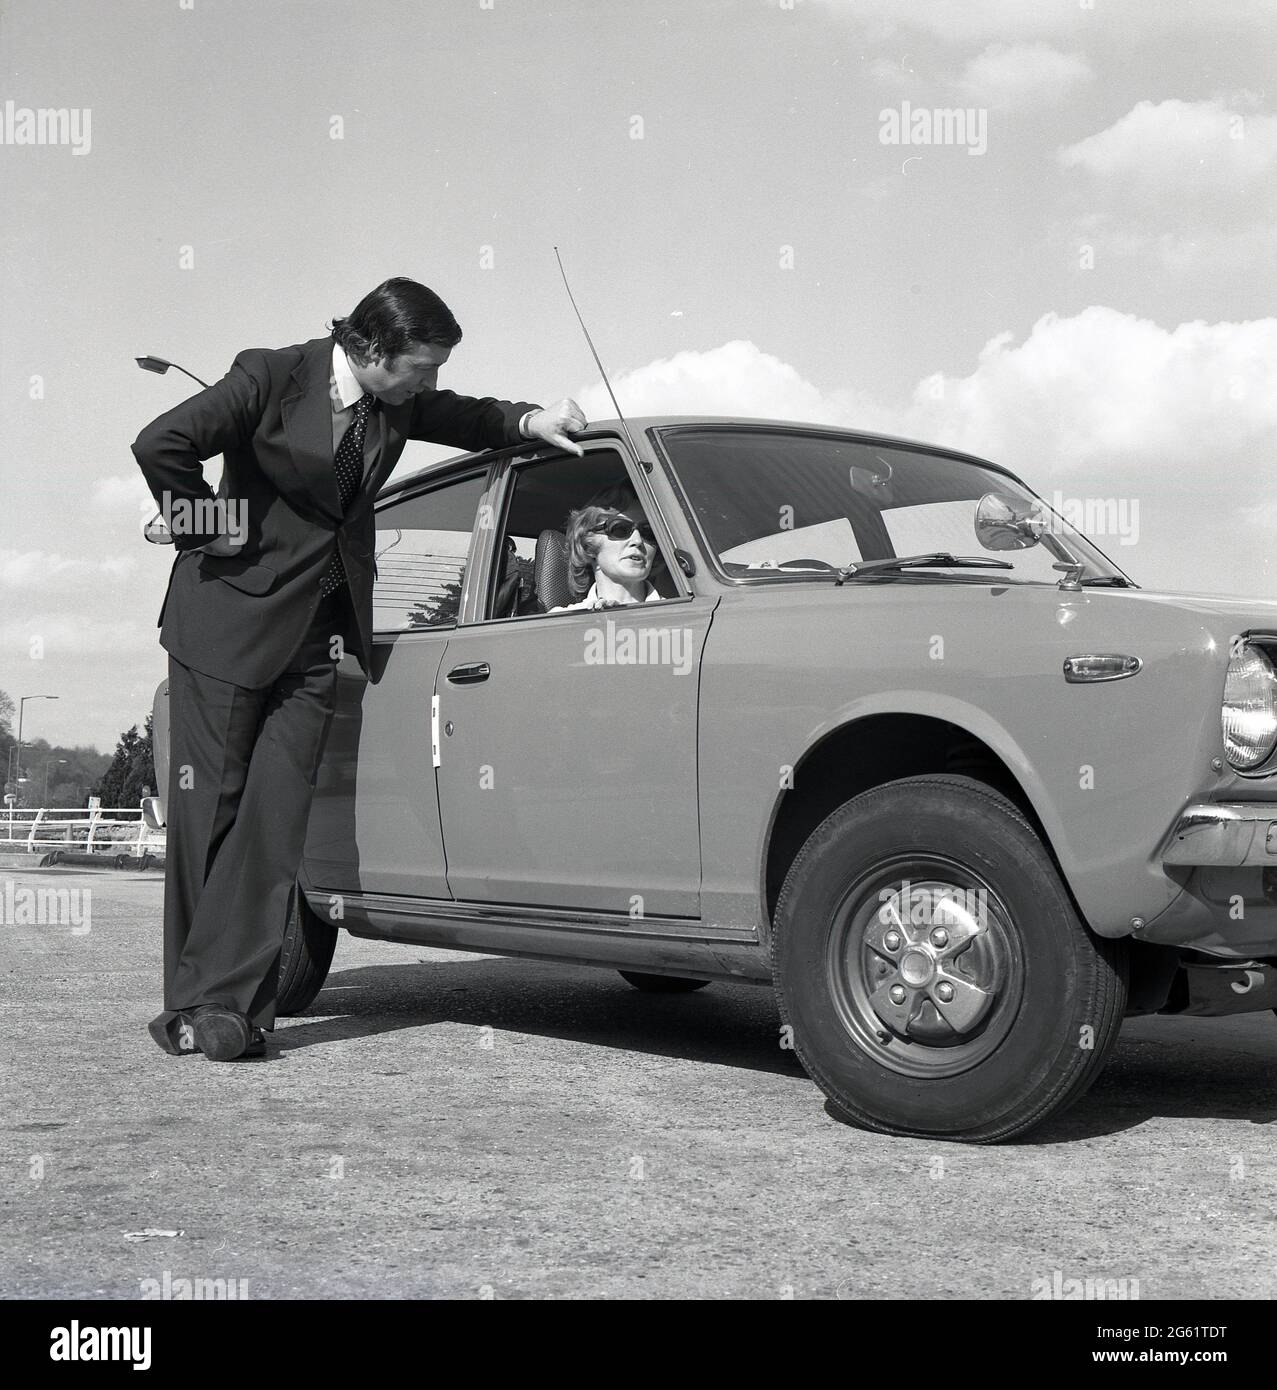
919,943
924,966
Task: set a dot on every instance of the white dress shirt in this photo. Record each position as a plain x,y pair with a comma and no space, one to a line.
344,394
346,391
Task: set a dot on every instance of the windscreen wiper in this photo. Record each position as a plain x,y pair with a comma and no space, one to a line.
1116,581
938,558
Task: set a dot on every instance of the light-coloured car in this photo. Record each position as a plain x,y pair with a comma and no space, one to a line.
894,738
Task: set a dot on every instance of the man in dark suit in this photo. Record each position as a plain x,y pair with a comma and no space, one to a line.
272,582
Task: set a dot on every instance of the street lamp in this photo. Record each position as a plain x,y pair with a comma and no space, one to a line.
155,530
21,704
159,366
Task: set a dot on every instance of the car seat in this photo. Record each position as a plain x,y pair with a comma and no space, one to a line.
515,592
550,571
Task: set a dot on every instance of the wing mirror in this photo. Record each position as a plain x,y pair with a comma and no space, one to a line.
1008,523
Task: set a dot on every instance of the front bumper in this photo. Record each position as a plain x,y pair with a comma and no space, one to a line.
1232,834
1224,856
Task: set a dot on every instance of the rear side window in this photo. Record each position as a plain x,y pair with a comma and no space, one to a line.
421,548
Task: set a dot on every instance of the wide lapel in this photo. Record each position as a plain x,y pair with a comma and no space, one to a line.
308,427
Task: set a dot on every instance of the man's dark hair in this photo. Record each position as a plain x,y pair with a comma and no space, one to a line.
396,315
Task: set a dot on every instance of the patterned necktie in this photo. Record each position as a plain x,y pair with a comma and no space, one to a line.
349,463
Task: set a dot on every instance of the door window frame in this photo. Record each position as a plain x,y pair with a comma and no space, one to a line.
501,492
432,483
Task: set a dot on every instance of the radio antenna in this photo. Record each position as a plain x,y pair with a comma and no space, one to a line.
624,425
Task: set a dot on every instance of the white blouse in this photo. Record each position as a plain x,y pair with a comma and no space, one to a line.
592,599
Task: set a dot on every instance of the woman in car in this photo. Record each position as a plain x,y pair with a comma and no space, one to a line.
612,554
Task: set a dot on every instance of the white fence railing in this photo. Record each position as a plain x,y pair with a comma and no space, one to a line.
96,831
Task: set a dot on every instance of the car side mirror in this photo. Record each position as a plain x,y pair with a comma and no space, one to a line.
1008,523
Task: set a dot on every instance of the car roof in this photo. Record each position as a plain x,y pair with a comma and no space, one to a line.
640,424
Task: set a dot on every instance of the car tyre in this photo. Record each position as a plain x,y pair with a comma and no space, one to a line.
661,984
1008,1020
304,958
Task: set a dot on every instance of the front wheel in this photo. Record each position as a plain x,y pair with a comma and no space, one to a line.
934,972
304,958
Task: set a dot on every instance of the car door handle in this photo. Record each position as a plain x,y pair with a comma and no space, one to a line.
470,673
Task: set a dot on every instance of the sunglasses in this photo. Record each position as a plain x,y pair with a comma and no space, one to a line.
621,528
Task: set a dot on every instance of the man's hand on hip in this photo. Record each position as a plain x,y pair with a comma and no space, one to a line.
221,545
556,422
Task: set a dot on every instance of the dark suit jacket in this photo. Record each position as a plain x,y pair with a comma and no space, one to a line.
240,618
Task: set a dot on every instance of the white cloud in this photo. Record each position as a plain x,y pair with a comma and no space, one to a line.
122,495
966,21
68,632
962,20
737,378
1184,419
889,70
1104,386
1171,150
1094,386
1018,76
1262,515
55,574
1189,186
1104,404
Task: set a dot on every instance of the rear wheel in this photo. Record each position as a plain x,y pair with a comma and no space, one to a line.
661,984
304,958
934,971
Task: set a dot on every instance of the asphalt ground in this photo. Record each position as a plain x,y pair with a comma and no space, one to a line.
446,1125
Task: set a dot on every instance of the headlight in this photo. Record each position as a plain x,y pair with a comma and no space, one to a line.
1249,715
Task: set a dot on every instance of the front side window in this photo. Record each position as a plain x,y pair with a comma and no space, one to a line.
771,504
539,569
421,548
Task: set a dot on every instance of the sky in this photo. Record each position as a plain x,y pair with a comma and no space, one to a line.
1076,280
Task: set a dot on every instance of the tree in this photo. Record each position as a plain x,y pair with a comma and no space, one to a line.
131,775
442,608
6,728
